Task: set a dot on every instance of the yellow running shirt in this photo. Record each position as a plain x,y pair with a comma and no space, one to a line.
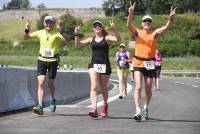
49,44
145,46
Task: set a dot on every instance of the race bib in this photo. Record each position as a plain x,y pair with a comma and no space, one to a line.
149,65
100,68
157,63
47,52
121,63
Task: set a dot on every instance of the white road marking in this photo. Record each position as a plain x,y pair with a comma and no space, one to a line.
195,86
179,82
110,99
68,106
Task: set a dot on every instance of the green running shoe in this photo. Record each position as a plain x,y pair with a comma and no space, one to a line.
52,105
145,114
137,116
38,110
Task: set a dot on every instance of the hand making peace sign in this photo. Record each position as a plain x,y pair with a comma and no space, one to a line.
131,8
28,24
77,29
172,12
112,25
58,25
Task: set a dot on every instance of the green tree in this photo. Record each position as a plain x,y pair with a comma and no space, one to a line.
18,4
40,22
41,6
151,6
68,23
191,5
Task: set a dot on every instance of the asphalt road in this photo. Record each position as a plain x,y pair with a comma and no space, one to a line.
173,110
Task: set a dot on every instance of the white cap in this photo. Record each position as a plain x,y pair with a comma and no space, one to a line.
49,18
146,17
122,44
97,21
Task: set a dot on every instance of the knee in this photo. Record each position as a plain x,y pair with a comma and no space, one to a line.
94,88
138,88
104,90
148,92
50,83
41,84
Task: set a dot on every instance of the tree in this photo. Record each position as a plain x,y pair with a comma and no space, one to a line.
191,5
4,6
41,6
68,23
111,6
18,4
151,6
40,22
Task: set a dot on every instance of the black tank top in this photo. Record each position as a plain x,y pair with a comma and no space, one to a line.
100,51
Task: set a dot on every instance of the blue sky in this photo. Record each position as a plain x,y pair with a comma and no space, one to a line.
65,3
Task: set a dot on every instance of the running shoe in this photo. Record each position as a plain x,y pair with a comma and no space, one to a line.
137,116
93,113
38,110
52,105
120,97
145,114
104,111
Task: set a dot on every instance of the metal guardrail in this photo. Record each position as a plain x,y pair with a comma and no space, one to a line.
182,72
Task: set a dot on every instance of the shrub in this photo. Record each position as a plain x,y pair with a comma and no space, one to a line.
68,22
40,22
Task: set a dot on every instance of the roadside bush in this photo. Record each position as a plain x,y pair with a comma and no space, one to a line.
40,22
68,22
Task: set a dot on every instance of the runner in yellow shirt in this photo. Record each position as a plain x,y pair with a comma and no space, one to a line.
48,58
143,60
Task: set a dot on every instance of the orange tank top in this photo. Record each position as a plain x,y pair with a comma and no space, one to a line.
145,46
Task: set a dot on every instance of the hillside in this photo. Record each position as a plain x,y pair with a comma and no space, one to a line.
35,14
182,38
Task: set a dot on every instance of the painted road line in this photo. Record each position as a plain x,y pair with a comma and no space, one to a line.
179,82
195,86
110,99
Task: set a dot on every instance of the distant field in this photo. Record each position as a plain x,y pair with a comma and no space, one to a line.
13,29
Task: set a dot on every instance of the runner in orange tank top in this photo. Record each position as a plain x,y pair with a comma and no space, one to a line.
143,61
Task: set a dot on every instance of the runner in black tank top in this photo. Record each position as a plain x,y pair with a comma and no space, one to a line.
99,67
100,54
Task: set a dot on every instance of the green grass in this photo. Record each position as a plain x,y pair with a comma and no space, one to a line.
82,62
14,29
176,42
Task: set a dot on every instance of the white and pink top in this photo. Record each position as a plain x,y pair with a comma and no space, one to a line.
158,59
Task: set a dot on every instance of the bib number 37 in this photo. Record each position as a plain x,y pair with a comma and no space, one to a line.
100,68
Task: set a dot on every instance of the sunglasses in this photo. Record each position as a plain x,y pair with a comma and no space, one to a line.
97,24
147,20
49,21
121,47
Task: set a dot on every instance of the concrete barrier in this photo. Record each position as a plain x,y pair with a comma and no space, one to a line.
18,88
14,92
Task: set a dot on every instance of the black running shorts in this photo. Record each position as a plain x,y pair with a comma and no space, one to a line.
44,66
145,72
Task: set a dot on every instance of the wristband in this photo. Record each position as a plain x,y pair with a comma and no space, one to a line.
26,30
61,31
76,34
171,19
